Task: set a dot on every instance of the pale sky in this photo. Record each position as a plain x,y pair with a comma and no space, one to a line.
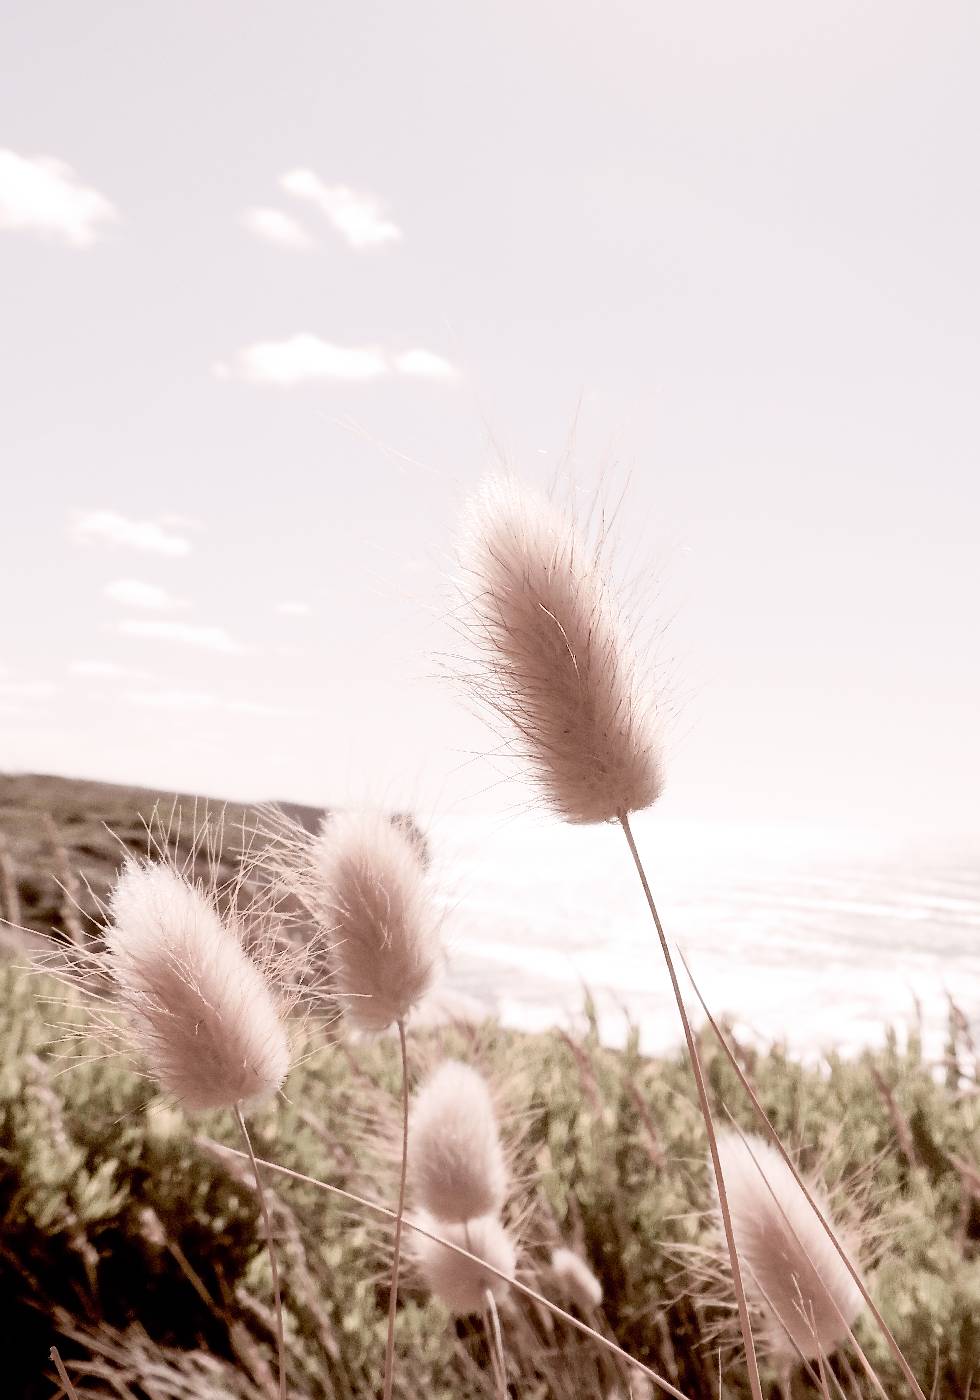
278,283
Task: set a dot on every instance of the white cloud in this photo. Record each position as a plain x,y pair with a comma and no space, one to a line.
41,195
109,527
356,216
423,364
133,593
107,670
306,359
208,638
293,608
303,359
274,226
27,690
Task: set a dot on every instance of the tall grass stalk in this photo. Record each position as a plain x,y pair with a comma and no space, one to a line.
273,1259
363,879
389,1372
745,1325
774,1138
496,1340
202,994
554,660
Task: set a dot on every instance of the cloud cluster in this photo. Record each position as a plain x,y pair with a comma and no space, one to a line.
307,359
109,527
44,196
207,638
273,226
358,217
148,597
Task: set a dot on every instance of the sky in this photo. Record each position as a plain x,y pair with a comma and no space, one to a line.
279,284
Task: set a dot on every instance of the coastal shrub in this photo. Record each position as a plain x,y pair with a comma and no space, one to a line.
116,1214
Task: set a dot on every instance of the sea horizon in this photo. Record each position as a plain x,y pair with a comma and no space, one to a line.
818,939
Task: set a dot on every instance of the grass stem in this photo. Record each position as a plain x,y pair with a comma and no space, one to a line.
273,1260
397,1250
496,1340
743,1079
755,1384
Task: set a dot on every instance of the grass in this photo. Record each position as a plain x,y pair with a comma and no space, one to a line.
116,1213
131,1244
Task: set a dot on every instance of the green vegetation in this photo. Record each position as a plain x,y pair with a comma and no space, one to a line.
115,1213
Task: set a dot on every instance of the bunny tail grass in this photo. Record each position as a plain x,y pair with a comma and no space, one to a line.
886,1332
389,1376
369,887
751,1361
660,1381
462,1280
550,655
577,1282
199,1010
273,1261
807,1299
457,1171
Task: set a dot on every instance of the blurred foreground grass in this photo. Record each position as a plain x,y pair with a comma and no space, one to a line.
131,1245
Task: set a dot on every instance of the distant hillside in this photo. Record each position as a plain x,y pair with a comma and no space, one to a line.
62,841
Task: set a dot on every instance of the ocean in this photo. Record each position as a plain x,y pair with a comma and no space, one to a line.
819,940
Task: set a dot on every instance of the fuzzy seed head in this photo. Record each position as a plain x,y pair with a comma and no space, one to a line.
456,1166
199,1010
793,1273
459,1282
553,659
372,887
575,1280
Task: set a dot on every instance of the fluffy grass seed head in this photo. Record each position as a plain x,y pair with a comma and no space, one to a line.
575,1280
460,1283
552,656
199,1011
456,1165
793,1274
368,880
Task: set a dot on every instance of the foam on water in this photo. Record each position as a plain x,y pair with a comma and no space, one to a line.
814,939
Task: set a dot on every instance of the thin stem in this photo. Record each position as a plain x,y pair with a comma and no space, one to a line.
397,1251
755,1384
523,1288
273,1261
59,1366
496,1340
886,1331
